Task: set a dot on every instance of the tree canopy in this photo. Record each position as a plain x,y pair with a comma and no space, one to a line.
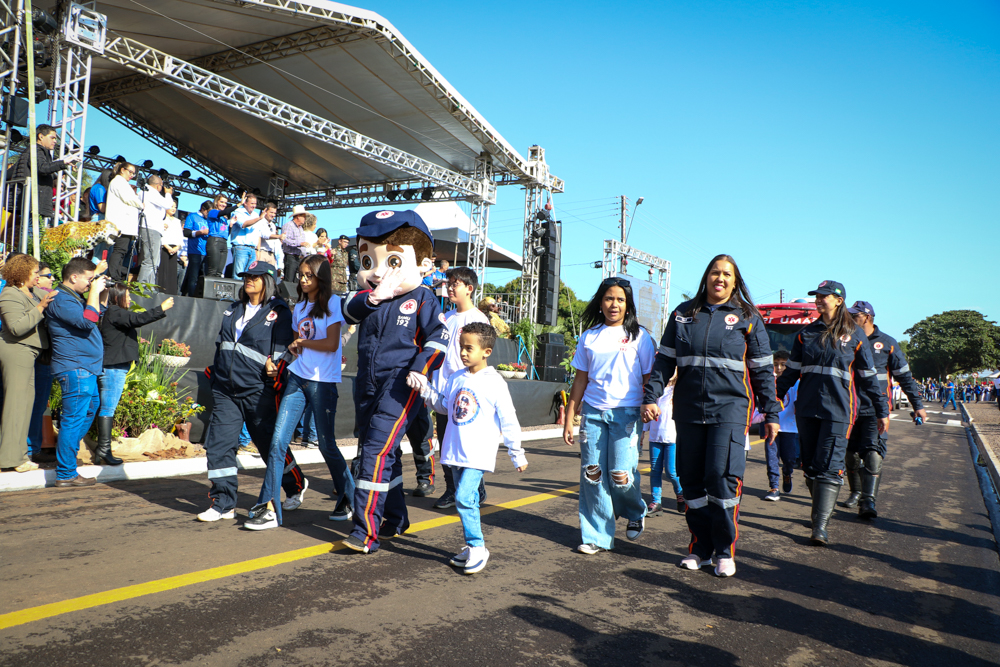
953,341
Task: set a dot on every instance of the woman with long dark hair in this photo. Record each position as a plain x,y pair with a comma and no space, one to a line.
613,359
255,333
833,359
312,380
120,331
122,207
717,344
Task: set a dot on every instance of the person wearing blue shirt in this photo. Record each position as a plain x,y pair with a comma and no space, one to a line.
245,238
218,233
196,231
77,360
948,394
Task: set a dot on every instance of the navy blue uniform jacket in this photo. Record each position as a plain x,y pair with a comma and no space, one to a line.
831,375
239,366
890,362
724,363
403,334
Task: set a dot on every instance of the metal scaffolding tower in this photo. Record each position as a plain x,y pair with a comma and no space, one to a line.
616,251
537,193
11,12
480,222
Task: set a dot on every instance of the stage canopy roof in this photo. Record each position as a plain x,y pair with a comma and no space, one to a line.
348,65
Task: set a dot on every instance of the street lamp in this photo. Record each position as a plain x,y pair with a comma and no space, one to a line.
637,202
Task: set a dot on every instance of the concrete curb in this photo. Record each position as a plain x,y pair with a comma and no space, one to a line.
40,479
986,465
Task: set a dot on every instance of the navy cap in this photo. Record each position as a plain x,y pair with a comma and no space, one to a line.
829,287
380,223
259,269
862,307
344,237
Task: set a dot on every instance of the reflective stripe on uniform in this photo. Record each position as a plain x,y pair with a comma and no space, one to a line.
827,370
724,503
378,486
711,362
868,372
794,365
668,351
883,376
245,351
222,472
904,369
757,362
434,345
697,503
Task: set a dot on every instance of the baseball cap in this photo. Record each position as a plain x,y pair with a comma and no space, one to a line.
380,223
829,287
259,269
344,237
862,307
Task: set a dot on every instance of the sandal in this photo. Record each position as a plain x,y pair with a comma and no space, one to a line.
27,466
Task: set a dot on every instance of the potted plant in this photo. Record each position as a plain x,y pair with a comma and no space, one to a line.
520,371
507,370
173,354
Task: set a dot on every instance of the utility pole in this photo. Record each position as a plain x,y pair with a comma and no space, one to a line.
623,200
781,296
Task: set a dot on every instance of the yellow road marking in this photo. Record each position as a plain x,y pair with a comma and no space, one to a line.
31,614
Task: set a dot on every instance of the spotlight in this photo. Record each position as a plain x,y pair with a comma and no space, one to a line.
120,158
392,194
224,185
163,173
598,265
538,250
256,191
185,174
40,90
409,194
94,150
15,136
148,164
427,194
540,230
43,22
202,183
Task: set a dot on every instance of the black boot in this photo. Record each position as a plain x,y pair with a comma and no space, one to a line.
871,475
824,500
809,485
103,452
853,479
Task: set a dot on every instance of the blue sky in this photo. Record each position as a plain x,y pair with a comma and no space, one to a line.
857,142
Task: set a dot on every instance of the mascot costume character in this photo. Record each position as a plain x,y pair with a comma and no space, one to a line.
401,341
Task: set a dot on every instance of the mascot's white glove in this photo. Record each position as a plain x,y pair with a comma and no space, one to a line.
418,381
388,288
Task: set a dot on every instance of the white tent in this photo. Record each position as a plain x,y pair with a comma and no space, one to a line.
450,226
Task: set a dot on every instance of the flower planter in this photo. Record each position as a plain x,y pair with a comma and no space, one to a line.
183,431
175,362
520,375
510,375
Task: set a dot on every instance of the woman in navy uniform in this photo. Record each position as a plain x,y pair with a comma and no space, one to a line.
720,349
255,332
833,358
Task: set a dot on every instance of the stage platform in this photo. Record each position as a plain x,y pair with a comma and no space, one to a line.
196,322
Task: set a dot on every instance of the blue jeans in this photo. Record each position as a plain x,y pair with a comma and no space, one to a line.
606,451
663,458
322,396
80,400
43,388
112,383
788,451
950,398
243,257
244,436
467,481
307,425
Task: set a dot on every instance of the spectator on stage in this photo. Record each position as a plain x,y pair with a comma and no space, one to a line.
293,244
99,195
353,262
77,360
170,245
216,249
270,239
196,231
157,200
309,236
47,169
122,210
491,309
339,261
244,233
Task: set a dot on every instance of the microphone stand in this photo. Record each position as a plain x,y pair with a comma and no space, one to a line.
140,184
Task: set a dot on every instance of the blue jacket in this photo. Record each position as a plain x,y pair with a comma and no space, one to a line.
218,222
239,366
195,222
404,334
74,334
889,361
724,366
831,375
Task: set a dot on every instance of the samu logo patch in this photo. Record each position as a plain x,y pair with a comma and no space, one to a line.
408,307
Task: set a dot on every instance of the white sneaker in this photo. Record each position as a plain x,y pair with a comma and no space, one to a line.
589,549
294,502
692,562
212,514
461,558
478,557
262,520
724,567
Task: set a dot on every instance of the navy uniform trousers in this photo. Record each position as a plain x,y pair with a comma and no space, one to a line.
865,437
421,437
259,412
824,448
711,460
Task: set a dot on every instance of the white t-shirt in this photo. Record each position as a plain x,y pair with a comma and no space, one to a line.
614,365
663,429
454,321
313,364
241,323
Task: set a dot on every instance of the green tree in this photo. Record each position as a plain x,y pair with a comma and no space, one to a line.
953,341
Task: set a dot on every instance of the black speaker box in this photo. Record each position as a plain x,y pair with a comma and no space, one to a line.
219,289
550,355
552,339
551,374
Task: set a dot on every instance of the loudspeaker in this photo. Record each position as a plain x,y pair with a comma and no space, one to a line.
548,276
551,374
288,291
550,355
219,289
551,339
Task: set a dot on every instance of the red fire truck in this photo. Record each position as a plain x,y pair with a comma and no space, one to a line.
783,321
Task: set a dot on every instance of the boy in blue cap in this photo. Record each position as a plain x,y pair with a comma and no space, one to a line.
401,341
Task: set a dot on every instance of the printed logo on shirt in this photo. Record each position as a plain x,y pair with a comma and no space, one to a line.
845,339
402,321
408,307
382,215
684,320
443,319
878,346
466,407
272,316
227,313
307,329
732,319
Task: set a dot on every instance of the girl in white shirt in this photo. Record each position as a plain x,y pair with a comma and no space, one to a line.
663,452
312,379
614,357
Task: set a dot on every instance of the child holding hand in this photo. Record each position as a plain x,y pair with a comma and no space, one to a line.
479,409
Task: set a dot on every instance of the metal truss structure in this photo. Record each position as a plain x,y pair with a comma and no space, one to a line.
615,251
11,13
536,195
479,223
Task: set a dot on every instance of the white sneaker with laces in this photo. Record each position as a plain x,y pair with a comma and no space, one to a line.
724,567
478,557
692,562
589,549
212,514
294,502
262,520
461,558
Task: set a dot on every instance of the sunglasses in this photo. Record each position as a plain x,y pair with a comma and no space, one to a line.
44,275
620,282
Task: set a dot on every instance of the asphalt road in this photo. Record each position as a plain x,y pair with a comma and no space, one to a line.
122,574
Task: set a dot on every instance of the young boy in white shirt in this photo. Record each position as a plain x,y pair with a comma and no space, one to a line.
477,403
462,284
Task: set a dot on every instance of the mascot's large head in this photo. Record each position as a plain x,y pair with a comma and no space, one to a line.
394,240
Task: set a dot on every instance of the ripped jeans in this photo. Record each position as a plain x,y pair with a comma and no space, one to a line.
609,461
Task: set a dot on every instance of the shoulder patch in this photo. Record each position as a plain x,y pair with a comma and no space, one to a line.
227,313
732,319
408,307
272,316
443,319
846,338
683,320
878,346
